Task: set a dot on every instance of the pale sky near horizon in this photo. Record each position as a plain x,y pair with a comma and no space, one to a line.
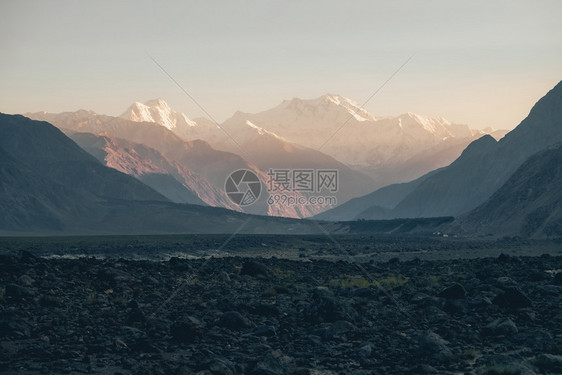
482,63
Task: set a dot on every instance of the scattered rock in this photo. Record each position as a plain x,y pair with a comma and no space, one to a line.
457,306
224,277
339,328
363,293
455,291
431,344
10,326
500,327
233,320
424,369
50,301
326,308
160,328
425,300
17,292
503,364
549,362
178,264
114,276
221,366
135,315
536,275
189,329
26,257
512,298
26,280
264,309
505,281
94,316
256,269
264,331
272,365
435,315
365,350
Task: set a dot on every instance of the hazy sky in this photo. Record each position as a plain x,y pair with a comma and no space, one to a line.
484,63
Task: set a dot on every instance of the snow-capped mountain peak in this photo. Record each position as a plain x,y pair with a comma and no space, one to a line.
433,125
353,108
260,131
329,106
159,112
159,102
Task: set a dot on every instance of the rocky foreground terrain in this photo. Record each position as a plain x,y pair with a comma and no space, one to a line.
233,315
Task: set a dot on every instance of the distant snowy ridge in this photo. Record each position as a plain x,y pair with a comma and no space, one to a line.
158,111
376,145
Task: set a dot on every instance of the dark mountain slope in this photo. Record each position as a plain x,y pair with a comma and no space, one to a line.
454,188
196,158
375,205
49,185
50,154
28,201
528,204
484,167
143,163
469,181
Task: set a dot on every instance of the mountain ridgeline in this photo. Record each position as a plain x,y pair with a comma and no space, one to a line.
482,168
529,204
148,171
200,154
48,181
49,185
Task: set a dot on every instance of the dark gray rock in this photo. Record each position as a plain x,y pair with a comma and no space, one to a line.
425,300
264,331
536,275
264,309
455,291
339,328
256,269
512,298
13,327
233,320
135,315
50,300
188,329
17,291
25,280
160,328
111,326
434,346
500,327
326,308
365,350
434,315
272,365
457,306
179,264
549,362
221,366
504,364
